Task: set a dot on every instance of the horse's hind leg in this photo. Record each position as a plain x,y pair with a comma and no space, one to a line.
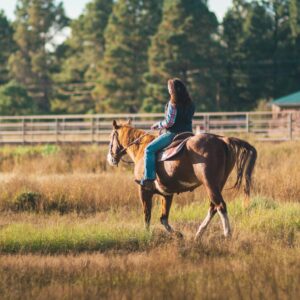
219,206
222,211
211,212
146,198
217,199
166,202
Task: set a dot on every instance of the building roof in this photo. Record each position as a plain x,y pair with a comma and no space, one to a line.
290,100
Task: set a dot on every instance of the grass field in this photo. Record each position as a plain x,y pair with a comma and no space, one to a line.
72,228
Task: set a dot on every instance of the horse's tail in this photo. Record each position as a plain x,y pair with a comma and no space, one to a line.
245,158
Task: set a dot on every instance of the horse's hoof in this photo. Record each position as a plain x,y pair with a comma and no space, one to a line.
178,234
228,237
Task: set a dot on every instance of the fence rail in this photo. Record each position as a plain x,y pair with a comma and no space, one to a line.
96,128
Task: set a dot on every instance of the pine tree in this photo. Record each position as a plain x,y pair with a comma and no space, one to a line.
231,38
14,100
127,37
262,54
84,53
7,46
184,47
37,22
294,12
247,38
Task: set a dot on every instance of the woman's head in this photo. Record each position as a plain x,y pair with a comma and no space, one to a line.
178,92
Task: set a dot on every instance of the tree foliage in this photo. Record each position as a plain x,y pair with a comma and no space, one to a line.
14,100
130,27
36,24
120,53
84,51
182,47
6,45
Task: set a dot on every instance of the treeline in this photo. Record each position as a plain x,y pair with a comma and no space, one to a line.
119,55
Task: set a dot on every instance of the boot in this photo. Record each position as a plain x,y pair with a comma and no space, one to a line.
146,184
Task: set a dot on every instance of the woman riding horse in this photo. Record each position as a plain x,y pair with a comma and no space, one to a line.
206,159
178,118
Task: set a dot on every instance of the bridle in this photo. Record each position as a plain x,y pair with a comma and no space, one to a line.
121,151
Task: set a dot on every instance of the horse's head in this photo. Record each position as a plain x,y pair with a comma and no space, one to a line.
116,150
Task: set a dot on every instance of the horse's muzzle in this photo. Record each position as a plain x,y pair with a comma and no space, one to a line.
111,160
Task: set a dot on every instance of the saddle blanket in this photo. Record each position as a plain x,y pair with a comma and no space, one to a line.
175,147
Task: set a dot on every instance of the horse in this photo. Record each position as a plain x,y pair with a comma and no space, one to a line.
207,159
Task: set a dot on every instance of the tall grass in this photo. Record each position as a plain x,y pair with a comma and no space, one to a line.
68,179
61,206
276,174
123,229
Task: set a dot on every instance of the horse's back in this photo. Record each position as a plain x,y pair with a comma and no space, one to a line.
206,145
204,156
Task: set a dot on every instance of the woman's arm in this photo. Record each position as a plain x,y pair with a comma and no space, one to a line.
169,119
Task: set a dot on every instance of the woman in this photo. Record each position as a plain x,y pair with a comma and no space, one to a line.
178,118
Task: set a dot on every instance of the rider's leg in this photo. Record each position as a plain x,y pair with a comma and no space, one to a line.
159,143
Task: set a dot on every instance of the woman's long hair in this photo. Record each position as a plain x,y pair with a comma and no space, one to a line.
179,93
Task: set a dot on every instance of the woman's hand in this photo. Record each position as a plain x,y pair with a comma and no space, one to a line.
155,126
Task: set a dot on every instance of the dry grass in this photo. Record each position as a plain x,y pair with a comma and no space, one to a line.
260,261
65,180
276,173
95,208
83,193
213,270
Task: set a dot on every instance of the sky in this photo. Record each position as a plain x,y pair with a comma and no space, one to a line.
74,7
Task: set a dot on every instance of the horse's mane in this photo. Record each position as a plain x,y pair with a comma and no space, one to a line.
129,134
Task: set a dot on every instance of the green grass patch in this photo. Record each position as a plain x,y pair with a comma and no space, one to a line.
124,230
24,238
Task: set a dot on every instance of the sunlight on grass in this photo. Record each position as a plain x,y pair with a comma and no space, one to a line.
125,230
23,237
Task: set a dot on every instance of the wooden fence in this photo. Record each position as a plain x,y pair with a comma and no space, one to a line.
96,128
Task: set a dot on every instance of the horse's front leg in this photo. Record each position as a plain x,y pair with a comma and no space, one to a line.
146,198
166,203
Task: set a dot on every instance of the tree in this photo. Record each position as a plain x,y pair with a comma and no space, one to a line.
184,46
83,52
127,37
37,23
7,46
247,38
261,46
294,11
14,100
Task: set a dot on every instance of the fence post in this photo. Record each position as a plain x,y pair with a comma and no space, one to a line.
23,131
92,128
97,131
31,129
290,126
56,130
62,132
207,127
247,123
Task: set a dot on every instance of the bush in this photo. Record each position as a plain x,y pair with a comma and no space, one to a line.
14,100
27,201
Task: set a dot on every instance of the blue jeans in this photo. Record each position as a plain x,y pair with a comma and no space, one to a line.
150,153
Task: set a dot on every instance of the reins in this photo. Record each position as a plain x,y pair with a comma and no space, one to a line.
134,142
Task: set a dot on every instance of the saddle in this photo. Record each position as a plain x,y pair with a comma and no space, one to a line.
175,147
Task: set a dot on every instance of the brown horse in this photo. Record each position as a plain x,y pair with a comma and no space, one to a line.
206,159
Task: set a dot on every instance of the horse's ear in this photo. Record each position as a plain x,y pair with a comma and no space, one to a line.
129,121
115,125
